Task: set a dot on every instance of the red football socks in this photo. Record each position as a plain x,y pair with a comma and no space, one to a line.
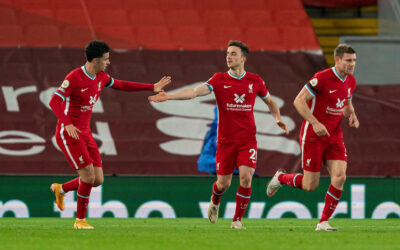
331,200
242,200
82,197
293,180
216,194
71,185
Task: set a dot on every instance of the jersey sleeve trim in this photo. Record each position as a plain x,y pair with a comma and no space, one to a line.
310,89
110,83
265,95
60,95
210,87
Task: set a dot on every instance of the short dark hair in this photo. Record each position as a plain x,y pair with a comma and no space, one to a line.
95,49
343,48
243,47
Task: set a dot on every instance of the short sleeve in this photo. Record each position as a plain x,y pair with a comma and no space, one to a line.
109,81
262,89
314,86
212,82
66,88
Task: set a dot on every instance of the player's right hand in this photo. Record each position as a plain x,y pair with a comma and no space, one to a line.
320,129
159,86
72,131
160,97
283,126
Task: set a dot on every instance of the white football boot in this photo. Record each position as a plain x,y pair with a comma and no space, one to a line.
324,226
274,184
237,225
213,212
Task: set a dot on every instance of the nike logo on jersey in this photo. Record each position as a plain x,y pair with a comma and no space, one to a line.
331,91
83,90
227,86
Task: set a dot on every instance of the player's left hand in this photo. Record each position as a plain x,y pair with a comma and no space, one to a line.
353,121
159,86
283,126
160,97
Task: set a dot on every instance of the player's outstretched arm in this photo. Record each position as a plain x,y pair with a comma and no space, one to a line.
274,109
350,113
300,103
137,86
184,94
159,86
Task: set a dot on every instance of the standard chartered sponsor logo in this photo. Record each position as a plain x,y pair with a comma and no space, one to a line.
238,107
188,123
333,111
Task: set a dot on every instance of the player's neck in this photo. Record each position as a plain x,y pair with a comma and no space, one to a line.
90,69
340,73
237,71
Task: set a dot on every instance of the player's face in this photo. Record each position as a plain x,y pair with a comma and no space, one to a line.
103,62
234,57
347,63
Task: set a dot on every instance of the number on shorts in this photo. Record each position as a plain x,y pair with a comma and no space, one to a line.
253,153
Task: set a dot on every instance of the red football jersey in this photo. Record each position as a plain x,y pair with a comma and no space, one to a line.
235,99
80,91
331,93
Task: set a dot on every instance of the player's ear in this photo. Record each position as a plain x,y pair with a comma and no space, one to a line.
337,59
96,60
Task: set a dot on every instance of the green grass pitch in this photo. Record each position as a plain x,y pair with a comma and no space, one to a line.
189,233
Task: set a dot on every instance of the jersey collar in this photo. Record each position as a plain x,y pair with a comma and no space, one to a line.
237,77
86,73
338,76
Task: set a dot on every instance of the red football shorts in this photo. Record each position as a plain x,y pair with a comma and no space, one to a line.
314,153
79,153
233,155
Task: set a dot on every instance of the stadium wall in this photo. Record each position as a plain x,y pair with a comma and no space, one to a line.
174,197
138,138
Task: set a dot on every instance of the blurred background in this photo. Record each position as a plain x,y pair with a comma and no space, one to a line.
158,145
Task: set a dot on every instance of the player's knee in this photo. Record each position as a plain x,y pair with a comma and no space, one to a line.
226,185
223,185
91,178
339,180
245,181
342,179
98,182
